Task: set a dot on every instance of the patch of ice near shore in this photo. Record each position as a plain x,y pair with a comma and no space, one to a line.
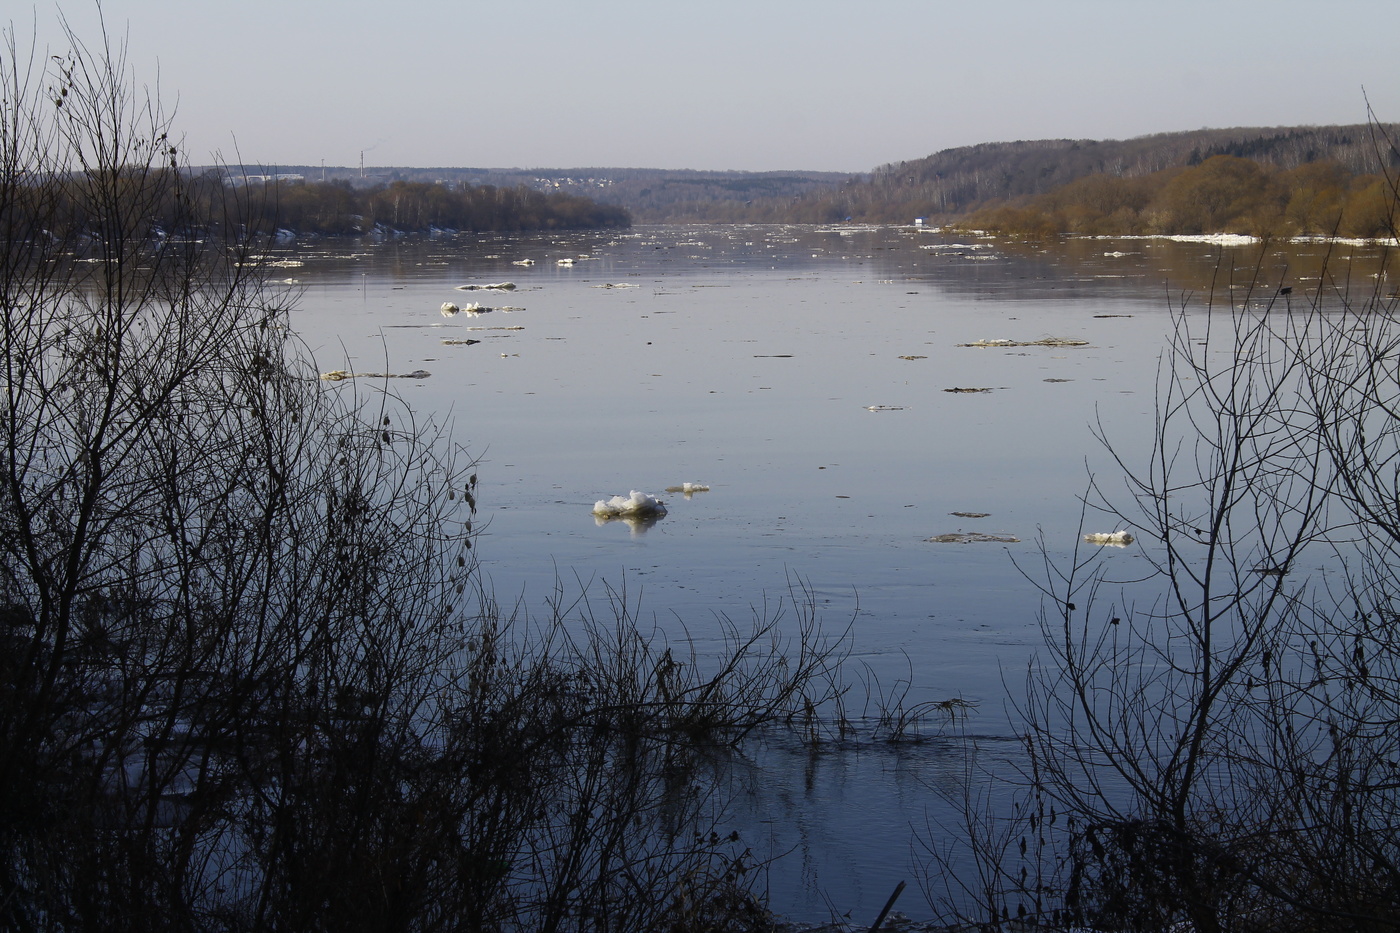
633,505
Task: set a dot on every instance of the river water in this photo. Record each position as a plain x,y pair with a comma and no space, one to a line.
803,375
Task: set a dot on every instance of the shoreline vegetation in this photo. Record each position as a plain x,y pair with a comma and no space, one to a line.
336,208
208,203
1283,180
1316,187
1222,196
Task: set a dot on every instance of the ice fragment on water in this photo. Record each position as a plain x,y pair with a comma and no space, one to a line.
1109,538
634,504
688,489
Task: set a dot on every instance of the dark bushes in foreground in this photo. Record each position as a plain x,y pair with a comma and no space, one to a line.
248,677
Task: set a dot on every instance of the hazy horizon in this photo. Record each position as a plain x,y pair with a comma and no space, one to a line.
816,86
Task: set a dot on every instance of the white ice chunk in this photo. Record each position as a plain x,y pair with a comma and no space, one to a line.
633,505
1110,538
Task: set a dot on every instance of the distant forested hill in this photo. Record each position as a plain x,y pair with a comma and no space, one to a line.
954,182
943,186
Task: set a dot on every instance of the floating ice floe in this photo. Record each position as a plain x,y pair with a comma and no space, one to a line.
449,309
618,285
564,262
1214,239
1042,342
336,375
498,286
973,537
1109,538
635,504
884,408
523,262
688,489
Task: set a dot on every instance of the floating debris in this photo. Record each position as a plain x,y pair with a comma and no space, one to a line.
972,514
564,262
1112,315
523,262
1271,571
618,285
464,342
498,286
284,264
336,375
973,537
1109,538
449,309
913,357
1042,342
1057,380
688,489
884,408
967,389
633,505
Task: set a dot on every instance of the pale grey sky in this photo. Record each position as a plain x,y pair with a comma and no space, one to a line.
756,85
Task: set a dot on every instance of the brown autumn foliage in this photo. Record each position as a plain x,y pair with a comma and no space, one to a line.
1223,194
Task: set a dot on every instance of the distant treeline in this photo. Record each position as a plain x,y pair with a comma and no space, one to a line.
205,205
716,197
650,195
338,208
1223,194
944,187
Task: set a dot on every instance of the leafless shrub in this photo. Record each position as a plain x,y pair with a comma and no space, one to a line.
248,676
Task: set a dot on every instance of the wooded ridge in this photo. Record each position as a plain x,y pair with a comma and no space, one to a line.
946,186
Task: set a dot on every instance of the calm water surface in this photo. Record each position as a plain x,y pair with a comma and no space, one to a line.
748,359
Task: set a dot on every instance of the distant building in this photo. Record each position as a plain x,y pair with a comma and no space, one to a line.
287,178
